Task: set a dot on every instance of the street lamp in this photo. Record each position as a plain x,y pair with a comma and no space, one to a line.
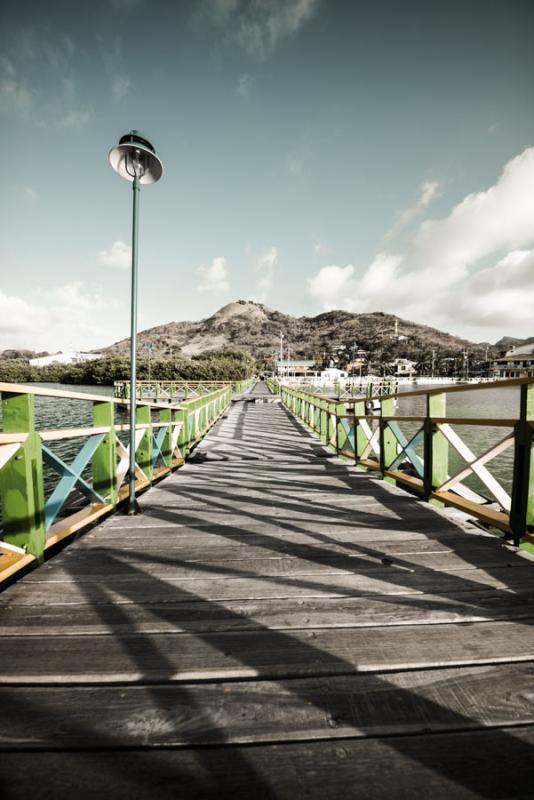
134,159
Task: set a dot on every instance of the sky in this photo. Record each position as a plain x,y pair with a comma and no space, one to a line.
370,155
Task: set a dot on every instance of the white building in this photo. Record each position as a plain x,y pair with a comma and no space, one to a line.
517,363
72,357
404,367
332,375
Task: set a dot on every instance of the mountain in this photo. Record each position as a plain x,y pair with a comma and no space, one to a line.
507,342
254,328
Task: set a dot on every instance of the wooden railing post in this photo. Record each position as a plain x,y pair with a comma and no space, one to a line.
388,442
360,439
323,421
180,415
522,507
21,478
165,415
104,461
341,434
144,451
436,447
332,425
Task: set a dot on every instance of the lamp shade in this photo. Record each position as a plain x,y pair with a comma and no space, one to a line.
135,155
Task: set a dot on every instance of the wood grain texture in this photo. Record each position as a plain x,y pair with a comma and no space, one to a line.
493,764
274,614
261,654
261,711
274,625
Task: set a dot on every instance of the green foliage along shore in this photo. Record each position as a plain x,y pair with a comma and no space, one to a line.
223,367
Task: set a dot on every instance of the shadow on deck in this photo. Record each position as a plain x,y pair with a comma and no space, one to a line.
275,625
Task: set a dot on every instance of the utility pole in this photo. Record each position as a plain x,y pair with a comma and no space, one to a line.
288,357
281,353
433,360
149,347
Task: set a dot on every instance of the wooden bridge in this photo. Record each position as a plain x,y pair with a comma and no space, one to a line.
276,624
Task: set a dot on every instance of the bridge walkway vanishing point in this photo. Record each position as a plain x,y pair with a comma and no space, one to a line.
274,625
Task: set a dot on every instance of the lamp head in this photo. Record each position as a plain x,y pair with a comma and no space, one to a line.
135,156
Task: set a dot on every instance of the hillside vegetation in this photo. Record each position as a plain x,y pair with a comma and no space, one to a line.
255,329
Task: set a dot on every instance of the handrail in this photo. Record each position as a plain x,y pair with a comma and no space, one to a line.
464,387
420,460
36,482
68,395
121,389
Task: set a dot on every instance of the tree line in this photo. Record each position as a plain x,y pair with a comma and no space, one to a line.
104,371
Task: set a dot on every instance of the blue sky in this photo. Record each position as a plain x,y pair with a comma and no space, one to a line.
374,156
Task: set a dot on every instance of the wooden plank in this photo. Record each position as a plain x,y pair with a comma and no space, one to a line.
11,563
115,566
143,589
498,519
293,710
207,545
263,654
444,766
234,615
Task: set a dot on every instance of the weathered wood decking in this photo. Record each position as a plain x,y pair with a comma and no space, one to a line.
275,625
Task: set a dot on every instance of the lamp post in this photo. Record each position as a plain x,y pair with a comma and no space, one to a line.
281,354
134,159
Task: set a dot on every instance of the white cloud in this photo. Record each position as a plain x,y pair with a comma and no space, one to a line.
73,315
258,26
245,84
215,277
29,194
220,11
265,264
7,66
75,117
15,315
119,256
498,219
331,286
444,280
15,96
294,165
37,81
121,87
500,297
427,192
112,55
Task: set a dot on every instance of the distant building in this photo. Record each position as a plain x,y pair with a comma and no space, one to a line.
359,360
294,368
403,367
518,362
72,357
332,374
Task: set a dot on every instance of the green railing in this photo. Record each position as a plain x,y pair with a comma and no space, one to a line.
57,480
167,391
420,452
